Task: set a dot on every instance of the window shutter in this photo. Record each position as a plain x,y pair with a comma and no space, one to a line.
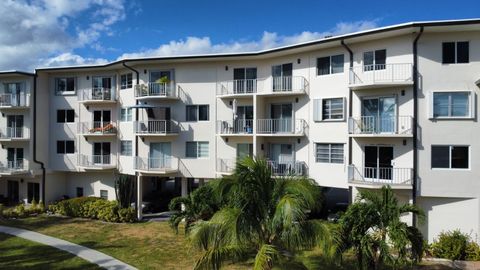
344,108
317,110
472,104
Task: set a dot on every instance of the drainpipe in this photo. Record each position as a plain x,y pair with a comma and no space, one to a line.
415,121
136,139
350,105
42,165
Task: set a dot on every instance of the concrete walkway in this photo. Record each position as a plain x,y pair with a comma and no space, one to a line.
93,256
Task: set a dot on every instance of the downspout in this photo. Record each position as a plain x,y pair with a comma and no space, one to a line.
42,165
136,119
350,105
415,122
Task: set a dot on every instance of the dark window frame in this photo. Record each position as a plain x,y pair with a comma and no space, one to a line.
65,147
66,116
452,54
451,159
197,109
330,64
126,81
70,86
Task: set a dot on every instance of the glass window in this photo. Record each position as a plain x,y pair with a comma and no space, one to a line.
330,64
332,109
337,63
191,114
203,112
323,66
197,149
65,147
329,153
125,148
104,194
65,116
65,85
126,114
374,60
126,81
79,192
455,52
60,147
451,104
450,157
462,52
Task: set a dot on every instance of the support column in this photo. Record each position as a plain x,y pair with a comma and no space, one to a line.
139,197
201,182
184,182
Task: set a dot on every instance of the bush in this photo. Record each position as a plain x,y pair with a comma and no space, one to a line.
450,245
472,251
94,208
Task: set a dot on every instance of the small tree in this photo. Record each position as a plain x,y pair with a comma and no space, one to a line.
198,205
124,190
372,227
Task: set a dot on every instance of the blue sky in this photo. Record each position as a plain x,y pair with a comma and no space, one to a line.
64,32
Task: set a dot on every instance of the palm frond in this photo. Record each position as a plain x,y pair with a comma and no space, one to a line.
265,258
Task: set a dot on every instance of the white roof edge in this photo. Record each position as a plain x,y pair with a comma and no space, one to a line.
306,43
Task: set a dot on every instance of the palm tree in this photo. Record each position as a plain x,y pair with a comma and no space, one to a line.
198,205
263,218
372,227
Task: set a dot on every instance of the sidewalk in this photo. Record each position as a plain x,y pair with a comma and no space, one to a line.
93,256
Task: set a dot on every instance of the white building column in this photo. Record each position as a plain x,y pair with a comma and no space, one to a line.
184,183
139,197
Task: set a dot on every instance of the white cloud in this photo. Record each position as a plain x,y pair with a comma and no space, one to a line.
69,59
31,32
203,45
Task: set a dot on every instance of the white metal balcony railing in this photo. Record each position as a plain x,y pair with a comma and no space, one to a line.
237,87
281,126
381,73
156,164
288,84
97,161
239,126
156,127
153,89
14,133
380,175
226,165
284,168
15,100
97,94
13,166
97,128
380,125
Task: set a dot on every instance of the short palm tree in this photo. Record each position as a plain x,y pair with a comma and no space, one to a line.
263,218
198,205
372,227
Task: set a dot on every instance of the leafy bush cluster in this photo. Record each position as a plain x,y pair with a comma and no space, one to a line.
22,211
455,245
94,208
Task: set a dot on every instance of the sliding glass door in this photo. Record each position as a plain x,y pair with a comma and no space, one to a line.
160,155
282,77
378,162
282,115
379,115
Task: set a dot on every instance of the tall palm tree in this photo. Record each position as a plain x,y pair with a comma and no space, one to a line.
372,227
263,218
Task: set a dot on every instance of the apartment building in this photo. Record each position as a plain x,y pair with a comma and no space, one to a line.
393,105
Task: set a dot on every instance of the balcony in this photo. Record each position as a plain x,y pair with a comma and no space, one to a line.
285,85
97,162
97,128
287,168
226,166
166,165
14,134
237,88
376,177
281,127
240,127
388,126
13,167
15,101
154,90
385,75
156,128
98,95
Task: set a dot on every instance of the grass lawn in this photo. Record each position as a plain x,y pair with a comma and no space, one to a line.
146,245
18,253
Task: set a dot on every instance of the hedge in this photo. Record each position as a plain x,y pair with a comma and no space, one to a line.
94,208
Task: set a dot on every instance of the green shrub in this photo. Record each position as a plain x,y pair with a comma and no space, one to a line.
94,208
450,245
472,252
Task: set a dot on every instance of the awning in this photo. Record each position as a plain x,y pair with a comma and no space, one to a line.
142,106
